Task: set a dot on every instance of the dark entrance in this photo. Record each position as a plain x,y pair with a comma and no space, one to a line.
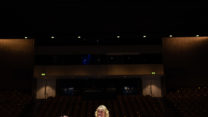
99,87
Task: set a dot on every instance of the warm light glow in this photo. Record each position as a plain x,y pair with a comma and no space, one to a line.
170,35
50,90
152,87
64,116
197,35
52,37
79,37
144,36
118,36
26,37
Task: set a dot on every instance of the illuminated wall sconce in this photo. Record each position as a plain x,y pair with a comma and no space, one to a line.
43,74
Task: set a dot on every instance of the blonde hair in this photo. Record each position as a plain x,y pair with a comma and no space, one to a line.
102,108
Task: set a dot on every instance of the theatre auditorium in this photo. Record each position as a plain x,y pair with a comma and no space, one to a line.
112,59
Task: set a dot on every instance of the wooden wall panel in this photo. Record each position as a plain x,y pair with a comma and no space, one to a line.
185,61
69,71
16,63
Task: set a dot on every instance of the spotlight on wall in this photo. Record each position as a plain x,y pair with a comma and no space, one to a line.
170,35
52,37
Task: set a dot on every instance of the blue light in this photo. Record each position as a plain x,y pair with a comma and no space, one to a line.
86,59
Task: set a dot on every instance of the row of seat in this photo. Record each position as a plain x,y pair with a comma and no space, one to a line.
186,102
121,106
190,102
12,103
197,91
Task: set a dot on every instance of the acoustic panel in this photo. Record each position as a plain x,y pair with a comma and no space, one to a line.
185,61
16,63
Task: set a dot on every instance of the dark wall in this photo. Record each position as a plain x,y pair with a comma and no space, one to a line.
102,85
185,61
16,64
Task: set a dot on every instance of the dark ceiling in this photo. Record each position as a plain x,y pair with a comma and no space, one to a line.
76,16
